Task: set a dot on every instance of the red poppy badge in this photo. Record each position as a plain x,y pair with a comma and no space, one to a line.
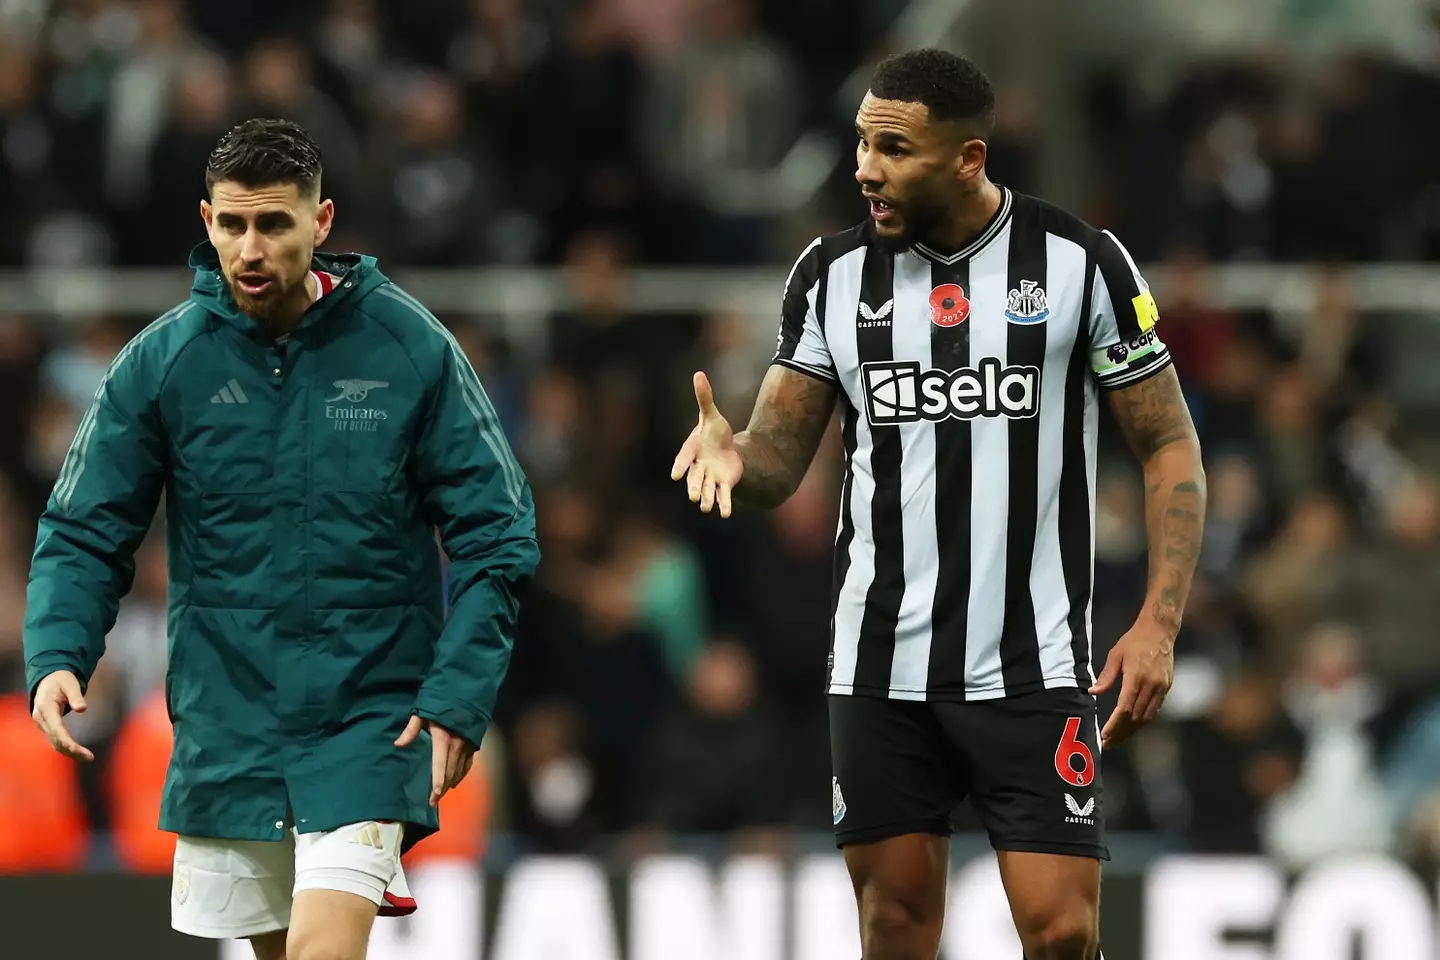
948,305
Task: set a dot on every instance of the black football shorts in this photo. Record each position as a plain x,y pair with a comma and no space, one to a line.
1030,765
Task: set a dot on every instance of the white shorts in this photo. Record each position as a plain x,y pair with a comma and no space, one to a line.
229,889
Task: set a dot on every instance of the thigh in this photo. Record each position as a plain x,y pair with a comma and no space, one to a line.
341,877
224,889
1050,893
1034,770
893,772
331,924
900,883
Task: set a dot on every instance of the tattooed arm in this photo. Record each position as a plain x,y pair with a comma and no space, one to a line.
790,416
764,464
1156,423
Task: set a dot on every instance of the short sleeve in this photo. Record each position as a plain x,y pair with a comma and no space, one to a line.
1125,346
800,344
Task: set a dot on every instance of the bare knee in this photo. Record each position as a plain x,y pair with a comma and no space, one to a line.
900,890
889,914
1074,936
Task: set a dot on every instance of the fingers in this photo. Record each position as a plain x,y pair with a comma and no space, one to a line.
1117,730
686,456
694,481
1140,701
48,718
1107,676
50,705
411,731
439,760
722,493
704,396
1150,698
707,494
458,757
70,687
456,767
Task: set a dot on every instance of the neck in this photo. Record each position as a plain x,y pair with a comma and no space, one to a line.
968,219
288,317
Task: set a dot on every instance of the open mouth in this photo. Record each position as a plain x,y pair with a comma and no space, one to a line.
253,284
880,210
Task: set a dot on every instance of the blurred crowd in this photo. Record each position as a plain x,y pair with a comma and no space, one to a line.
453,131
668,675
496,131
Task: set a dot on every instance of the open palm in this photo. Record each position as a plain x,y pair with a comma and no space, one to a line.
708,459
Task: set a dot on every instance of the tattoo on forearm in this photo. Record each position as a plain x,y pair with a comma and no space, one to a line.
1181,533
790,417
1156,423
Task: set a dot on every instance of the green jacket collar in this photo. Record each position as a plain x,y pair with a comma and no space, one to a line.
358,273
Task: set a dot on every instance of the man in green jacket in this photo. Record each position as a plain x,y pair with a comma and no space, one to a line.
311,426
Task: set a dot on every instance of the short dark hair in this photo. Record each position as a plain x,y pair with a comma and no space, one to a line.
258,153
953,88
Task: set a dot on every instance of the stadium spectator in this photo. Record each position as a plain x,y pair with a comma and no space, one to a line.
1336,805
1233,761
722,116
714,759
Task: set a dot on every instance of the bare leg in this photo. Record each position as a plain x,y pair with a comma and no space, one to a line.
329,925
900,891
1055,900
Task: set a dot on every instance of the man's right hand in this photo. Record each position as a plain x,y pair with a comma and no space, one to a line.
708,459
57,692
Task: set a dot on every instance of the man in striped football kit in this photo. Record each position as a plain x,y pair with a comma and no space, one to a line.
968,332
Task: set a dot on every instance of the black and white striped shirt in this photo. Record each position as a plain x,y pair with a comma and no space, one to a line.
965,553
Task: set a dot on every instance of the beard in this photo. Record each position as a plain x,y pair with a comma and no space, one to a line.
921,218
263,307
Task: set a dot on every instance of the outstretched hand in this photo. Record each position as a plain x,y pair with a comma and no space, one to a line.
451,755
708,459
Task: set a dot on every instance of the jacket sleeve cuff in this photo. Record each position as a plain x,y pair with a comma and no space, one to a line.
457,718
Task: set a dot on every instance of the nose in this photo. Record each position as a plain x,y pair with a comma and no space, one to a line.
251,250
867,169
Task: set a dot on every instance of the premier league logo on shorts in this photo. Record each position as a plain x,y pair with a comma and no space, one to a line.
837,800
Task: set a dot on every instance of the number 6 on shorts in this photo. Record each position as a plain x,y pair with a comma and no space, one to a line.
1069,748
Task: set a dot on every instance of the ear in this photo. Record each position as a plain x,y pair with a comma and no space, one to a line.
207,214
970,162
324,220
